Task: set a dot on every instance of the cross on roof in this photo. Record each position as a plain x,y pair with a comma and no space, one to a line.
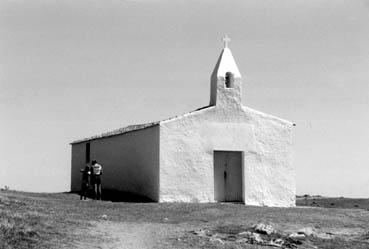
226,40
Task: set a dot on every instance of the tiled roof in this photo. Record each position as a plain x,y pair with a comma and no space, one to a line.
117,132
129,128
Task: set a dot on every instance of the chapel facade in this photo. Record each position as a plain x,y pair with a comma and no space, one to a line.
224,152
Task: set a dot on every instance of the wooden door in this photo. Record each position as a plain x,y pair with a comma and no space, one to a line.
228,176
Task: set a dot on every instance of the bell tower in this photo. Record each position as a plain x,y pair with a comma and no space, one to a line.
225,88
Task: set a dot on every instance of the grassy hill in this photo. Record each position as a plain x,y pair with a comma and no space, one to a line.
30,220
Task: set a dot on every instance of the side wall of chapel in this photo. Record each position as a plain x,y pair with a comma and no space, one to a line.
130,162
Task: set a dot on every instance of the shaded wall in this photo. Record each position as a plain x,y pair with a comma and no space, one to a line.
130,162
78,163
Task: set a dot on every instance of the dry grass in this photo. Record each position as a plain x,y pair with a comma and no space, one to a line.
62,221
19,230
30,221
341,202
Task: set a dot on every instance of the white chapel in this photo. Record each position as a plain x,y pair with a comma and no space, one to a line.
224,152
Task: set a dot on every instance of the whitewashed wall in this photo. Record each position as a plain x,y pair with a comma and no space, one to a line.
130,162
186,155
187,144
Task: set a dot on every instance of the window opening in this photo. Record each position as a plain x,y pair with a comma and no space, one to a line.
229,80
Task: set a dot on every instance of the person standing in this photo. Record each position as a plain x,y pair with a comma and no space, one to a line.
85,182
96,178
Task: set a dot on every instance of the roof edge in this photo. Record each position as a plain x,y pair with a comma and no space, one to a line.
117,132
266,115
132,128
187,114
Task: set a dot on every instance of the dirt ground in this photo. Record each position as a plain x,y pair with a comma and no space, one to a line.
130,235
29,220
